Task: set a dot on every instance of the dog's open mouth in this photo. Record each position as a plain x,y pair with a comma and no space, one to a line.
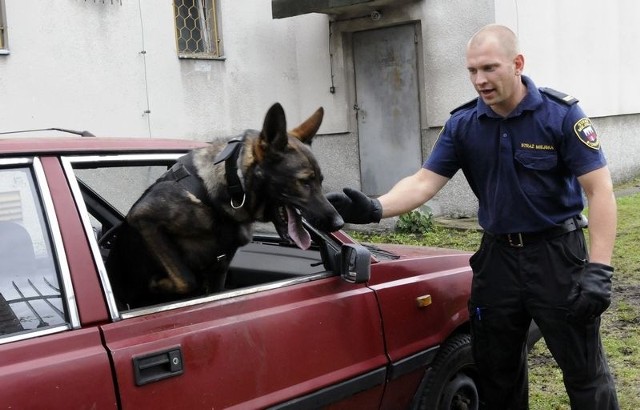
290,218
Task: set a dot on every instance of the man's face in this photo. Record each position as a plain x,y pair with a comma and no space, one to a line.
494,75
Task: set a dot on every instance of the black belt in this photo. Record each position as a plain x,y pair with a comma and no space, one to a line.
521,239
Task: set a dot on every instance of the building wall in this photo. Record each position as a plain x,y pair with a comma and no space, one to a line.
75,64
574,46
110,67
581,48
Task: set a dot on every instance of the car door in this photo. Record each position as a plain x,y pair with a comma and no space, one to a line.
49,356
296,339
298,346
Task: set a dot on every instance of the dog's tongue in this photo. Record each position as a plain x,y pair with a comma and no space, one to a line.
296,231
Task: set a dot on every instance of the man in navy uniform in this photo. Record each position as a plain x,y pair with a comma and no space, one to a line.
527,153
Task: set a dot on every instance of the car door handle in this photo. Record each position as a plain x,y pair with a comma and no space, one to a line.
156,366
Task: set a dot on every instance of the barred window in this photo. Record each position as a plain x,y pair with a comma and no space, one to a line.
3,28
197,34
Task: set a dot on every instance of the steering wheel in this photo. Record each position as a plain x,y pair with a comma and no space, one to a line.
107,238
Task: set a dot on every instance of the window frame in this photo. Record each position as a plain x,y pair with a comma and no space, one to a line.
71,163
4,45
207,25
72,320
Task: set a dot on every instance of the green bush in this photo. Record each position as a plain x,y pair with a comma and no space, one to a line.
416,221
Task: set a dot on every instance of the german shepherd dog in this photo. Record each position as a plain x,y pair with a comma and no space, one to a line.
179,237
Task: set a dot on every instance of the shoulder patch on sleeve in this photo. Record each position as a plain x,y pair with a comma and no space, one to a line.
468,104
586,133
560,96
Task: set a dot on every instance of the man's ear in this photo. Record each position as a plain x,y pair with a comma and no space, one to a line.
519,64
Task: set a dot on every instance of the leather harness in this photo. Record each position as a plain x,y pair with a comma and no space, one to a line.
185,173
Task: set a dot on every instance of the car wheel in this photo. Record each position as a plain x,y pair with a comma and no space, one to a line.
452,380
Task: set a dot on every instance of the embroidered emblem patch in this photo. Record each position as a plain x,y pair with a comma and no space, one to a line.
587,134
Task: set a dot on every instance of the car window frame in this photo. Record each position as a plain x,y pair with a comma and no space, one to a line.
68,163
72,320
68,167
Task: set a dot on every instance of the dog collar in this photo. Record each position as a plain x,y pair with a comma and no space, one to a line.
230,155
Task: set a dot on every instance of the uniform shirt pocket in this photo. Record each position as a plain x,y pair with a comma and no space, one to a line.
537,161
537,172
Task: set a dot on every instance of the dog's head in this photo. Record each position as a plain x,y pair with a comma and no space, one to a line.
292,177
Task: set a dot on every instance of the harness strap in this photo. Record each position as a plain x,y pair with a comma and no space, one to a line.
230,155
185,174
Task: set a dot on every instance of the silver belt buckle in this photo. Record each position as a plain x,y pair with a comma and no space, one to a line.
512,240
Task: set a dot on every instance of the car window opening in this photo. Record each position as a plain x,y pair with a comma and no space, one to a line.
266,259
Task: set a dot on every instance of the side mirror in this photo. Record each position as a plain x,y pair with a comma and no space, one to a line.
354,263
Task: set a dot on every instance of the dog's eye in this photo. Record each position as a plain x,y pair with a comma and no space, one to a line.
306,183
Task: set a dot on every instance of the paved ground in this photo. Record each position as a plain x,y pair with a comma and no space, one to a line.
458,223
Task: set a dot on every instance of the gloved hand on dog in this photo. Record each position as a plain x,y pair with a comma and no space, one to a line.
355,207
591,296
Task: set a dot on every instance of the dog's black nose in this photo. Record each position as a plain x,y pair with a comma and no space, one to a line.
328,224
336,223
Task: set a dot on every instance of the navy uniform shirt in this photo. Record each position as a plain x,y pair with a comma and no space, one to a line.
523,167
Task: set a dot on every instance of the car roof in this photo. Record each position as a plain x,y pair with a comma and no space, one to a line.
88,145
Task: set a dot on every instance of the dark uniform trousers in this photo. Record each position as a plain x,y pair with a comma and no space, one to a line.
511,285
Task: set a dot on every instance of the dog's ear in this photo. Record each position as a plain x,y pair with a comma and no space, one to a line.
305,131
274,130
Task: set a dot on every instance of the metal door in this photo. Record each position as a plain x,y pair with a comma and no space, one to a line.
387,103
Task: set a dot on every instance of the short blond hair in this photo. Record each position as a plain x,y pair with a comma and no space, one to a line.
502,35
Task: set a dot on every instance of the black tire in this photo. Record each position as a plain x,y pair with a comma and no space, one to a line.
452,380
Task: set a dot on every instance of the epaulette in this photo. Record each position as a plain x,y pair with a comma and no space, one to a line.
468,104
560,96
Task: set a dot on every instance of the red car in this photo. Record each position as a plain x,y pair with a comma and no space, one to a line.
339,325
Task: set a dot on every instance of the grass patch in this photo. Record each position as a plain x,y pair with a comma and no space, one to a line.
438,236
620,324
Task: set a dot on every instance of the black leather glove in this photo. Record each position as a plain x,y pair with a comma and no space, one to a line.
355,207
591,296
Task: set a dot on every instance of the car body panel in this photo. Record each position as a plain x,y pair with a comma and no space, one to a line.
399,284
90,300
316,335
412,327
310,341
68,369
87,145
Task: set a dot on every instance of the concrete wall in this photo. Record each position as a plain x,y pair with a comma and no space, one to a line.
582,48
101,65
564,49
111,67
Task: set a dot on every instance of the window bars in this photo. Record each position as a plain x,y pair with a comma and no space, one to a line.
197,29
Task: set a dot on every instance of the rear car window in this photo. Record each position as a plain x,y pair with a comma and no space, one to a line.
30,292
